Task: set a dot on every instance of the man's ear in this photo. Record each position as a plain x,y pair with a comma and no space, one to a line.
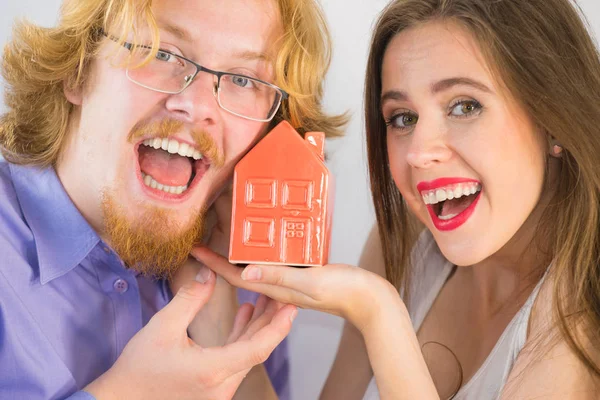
74,94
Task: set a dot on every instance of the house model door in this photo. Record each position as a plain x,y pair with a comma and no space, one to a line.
296,241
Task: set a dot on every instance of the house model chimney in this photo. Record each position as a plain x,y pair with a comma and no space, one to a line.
317,142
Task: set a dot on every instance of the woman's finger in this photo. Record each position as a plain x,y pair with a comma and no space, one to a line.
300,280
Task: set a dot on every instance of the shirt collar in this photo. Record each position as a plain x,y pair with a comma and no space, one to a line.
63,237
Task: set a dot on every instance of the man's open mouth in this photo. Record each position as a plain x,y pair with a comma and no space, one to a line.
170,166
450,201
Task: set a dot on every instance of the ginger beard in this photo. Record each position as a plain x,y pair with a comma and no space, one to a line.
152,243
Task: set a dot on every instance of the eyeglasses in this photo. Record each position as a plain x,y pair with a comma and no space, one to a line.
170,73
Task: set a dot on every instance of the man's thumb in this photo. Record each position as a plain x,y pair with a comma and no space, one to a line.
190,299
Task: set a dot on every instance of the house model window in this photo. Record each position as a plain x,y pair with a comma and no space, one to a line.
282,201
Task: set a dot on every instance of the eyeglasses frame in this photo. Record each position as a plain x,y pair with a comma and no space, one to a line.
216,89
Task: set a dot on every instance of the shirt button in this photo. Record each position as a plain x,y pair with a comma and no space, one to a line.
121,286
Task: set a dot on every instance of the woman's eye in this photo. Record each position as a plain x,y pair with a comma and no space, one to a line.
402,121
465,108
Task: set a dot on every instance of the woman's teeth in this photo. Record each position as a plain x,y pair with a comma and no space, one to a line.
151,182
174,147
431,197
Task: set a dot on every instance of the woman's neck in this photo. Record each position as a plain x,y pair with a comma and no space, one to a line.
514,270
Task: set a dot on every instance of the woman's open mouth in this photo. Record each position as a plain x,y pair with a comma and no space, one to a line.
450,204
169,168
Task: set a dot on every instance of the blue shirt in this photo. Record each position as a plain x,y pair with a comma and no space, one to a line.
68,306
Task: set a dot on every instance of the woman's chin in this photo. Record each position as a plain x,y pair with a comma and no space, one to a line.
462,254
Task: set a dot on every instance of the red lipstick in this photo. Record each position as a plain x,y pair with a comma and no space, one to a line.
448,183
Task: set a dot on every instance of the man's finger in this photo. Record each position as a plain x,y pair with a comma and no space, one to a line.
258,322
245,354
242,318
190,299
259,307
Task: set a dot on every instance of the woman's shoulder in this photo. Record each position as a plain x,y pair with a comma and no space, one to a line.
547,366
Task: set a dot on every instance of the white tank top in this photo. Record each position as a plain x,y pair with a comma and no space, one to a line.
430,272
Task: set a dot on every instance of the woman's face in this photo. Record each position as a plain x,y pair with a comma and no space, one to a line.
467,159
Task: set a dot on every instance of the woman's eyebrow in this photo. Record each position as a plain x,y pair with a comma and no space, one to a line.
437,87
449,83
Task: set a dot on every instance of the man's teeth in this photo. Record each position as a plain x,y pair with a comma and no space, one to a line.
174,147
151,182
449,193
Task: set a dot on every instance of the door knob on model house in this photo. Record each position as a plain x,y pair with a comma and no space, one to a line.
282,201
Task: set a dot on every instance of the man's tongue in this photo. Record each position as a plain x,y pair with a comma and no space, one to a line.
168,169
456,206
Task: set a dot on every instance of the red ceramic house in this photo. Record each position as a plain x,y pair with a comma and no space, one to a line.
282,201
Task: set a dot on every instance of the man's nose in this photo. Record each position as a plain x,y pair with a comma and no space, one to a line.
197,104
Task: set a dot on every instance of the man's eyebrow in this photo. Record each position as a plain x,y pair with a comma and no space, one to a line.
437,87
251,56
449,83
177,31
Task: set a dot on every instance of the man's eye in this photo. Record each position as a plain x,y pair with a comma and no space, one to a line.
243,82
163,56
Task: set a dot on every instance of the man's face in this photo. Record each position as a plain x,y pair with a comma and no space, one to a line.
148,203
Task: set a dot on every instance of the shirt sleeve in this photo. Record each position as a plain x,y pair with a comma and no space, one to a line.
81,395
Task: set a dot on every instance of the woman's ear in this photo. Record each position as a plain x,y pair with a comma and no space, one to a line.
555,149
74,94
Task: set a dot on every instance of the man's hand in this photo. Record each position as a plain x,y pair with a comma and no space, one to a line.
214,322
161,361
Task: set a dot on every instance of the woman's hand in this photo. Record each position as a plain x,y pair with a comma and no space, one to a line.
352,293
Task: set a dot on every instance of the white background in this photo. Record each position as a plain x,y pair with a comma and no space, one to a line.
315,336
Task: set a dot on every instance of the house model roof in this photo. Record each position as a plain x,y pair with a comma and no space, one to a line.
284,145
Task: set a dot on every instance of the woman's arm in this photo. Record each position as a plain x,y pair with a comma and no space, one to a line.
391,348
398,364
351,371
365,299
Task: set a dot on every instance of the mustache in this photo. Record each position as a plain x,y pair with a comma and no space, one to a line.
167,127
